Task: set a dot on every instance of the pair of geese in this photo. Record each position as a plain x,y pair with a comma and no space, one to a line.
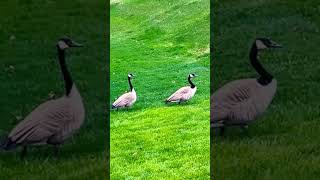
181,95
53,122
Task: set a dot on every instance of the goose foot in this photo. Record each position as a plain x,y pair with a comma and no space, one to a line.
24,152
244,127
218,128
222,131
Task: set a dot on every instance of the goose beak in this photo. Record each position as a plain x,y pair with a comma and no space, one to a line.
275,45
75,44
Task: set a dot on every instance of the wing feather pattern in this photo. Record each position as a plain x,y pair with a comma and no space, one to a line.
45,122
241,101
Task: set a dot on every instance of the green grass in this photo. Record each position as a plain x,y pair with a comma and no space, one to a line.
161,42
29,71
284,143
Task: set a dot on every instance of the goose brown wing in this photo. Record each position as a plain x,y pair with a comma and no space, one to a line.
45,122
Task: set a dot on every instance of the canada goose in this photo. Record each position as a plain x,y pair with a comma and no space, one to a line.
128,99
53,121
241,101
184,93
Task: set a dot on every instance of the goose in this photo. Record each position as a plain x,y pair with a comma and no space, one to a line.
241,101
128,99
184,93
54,121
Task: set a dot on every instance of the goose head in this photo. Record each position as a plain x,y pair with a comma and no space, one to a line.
65,43
192,75
130,76
265,43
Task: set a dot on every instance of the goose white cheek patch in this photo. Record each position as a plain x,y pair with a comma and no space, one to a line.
260,45
62,45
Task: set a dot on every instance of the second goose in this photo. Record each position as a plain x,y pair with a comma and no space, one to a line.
184,93
128,99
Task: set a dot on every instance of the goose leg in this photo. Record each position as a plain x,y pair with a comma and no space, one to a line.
23,152
222,130
244,127
218,127
56,150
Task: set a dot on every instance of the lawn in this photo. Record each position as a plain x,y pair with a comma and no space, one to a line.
29,73
285,142
161,42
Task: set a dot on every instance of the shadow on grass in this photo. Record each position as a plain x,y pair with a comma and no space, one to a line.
181,104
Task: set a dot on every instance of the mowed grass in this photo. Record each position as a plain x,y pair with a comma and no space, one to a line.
161,42
29,72
284,143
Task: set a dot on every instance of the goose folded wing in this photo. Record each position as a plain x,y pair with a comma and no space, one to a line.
179,94
229,104
123,100
46,121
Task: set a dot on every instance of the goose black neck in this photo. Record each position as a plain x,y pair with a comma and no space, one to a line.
130,84
191,83
265,77
66,75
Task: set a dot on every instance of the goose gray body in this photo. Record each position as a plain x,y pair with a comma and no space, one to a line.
51,122
240,102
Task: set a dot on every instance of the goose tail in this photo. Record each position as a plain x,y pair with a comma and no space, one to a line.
6,144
